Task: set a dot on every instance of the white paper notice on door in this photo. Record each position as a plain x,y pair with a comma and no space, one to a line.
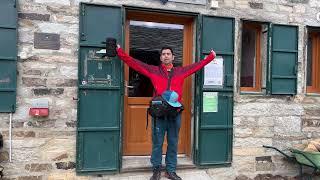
213,72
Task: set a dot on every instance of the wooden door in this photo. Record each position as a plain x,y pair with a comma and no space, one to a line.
140,43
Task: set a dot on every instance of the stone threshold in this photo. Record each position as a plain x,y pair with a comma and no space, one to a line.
142,163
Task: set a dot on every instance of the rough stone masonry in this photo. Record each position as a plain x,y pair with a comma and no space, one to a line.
44,148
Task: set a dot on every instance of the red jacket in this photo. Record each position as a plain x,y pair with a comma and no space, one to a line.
159,74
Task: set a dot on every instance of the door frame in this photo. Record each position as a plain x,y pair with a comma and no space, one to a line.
188,20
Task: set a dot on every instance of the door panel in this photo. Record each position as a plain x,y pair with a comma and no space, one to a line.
100,94
214,135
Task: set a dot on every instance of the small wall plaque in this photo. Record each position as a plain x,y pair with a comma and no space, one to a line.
47,41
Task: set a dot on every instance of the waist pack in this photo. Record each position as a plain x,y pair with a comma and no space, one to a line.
160,108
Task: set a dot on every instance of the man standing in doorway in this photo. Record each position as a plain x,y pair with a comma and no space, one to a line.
159,76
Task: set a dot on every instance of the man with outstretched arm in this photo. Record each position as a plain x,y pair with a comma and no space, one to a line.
159,76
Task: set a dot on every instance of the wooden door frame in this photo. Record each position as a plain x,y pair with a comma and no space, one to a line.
188,38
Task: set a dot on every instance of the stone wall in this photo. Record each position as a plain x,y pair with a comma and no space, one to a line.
44,148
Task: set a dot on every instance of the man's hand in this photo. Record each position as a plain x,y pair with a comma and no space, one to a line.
214,53
118,46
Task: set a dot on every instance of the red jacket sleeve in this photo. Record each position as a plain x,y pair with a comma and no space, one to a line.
135,64
192,68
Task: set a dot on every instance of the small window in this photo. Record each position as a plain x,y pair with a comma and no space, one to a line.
253,56
313,62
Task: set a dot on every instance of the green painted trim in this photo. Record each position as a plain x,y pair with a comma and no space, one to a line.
252,94
99,4
82,44
121,123
8,89
254,20
96,129
285,50
3,58
283,77
8,27
218,53
215,127
196,116
175,12
269,47
97,87
210,165
216,89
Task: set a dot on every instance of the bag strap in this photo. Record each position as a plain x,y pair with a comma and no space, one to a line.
169,80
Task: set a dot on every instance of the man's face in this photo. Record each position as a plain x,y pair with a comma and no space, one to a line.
166,56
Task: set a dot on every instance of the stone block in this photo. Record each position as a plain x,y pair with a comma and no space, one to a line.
259,151
242,177
256,5
4,156
264,166
32,82
222,173
34,16
66,176
263,132
48,91
36,167
32,72
252,142
66,165
57,147
287,125
38,122
29,178
65,19
284,8
56,28
311,122
264,158
60,157
299,9
24,134
243,132
69,71
266,121
244,164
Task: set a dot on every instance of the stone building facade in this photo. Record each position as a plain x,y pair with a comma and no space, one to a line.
45,148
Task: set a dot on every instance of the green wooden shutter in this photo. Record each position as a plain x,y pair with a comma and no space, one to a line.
214,129
100,94
8,55
284,56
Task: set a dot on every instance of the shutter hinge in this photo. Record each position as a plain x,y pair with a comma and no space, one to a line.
83,37
83,10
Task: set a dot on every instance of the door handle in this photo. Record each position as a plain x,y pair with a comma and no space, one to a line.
127,87
131,87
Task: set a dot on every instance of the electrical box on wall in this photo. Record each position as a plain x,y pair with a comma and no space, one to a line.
39,108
